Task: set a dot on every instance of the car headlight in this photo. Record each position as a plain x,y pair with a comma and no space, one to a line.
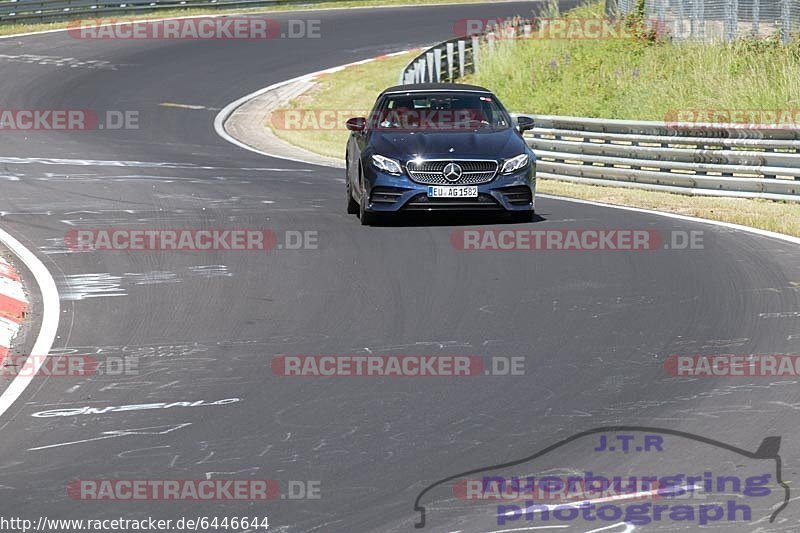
387,165
515,163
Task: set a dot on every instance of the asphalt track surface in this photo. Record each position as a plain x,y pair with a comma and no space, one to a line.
593,328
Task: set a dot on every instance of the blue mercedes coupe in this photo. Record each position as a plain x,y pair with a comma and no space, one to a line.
439,147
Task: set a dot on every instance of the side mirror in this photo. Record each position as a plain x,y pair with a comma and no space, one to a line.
356,124
524,124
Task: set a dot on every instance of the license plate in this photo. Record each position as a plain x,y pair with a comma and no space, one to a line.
452,192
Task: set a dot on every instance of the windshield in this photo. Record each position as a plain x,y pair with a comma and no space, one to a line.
440,111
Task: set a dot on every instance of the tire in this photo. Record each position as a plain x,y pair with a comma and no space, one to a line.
352,205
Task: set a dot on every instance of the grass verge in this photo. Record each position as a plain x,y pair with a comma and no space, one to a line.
641,77
781,217
347,93
28,27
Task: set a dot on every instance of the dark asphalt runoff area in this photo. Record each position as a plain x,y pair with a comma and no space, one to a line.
593,329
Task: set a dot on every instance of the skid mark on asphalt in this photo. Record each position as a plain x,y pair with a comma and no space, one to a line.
175,216
783,314
13,160
193,107
56,245
77,287
56,61
202,201
91,178
710,344
210,271
155,430
139,351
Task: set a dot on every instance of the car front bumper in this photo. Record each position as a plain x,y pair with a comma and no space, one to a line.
389,193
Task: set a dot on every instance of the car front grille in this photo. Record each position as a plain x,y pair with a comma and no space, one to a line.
431,172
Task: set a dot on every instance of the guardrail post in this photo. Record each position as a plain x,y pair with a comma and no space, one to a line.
786,21
702,19
756,17
475,48
429,64
661,7
680,20
437,63
462,57
450,50
420,71
731,20
698,20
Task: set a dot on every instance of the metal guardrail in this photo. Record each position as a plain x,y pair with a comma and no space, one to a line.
12,11
444,62
703,159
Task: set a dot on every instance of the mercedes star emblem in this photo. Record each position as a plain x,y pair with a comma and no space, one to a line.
452,172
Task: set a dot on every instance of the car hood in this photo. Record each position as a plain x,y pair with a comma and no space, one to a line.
472,144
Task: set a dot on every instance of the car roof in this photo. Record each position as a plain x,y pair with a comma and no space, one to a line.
428,87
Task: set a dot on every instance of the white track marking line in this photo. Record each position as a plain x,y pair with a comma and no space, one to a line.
729,225
227,111
50,314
